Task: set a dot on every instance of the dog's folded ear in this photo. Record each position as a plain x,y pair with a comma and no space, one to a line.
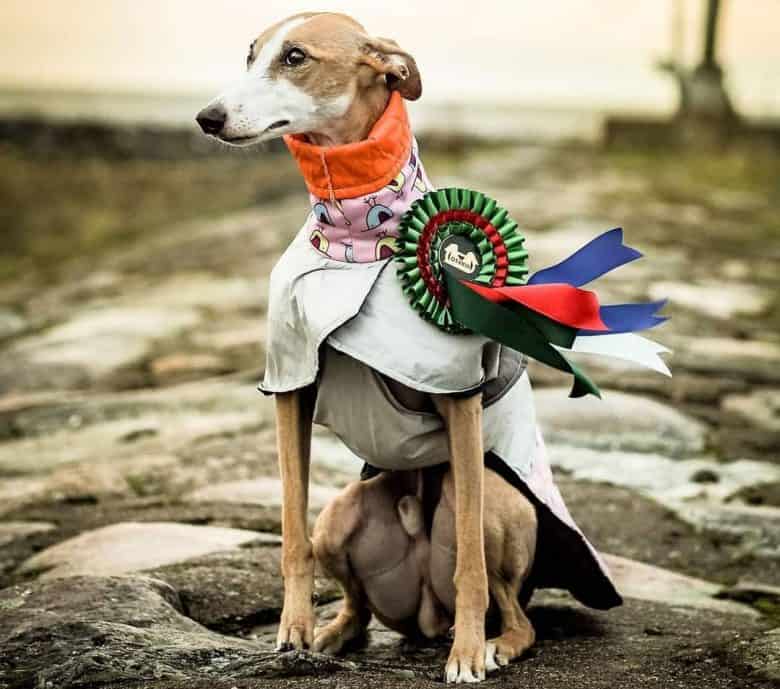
398,67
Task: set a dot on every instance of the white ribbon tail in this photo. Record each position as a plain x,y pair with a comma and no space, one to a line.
629,346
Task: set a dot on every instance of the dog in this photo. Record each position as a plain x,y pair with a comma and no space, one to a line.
416,543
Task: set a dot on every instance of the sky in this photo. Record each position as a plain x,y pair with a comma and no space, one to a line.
556,52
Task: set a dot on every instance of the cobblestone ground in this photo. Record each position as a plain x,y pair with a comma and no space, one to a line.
139,499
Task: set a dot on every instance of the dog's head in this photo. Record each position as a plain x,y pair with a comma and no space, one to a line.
308,74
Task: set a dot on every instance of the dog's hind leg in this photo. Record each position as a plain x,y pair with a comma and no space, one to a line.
332,532
510,543
517,633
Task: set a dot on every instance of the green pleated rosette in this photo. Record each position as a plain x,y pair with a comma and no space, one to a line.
463,233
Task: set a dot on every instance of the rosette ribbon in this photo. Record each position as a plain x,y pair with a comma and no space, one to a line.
463,267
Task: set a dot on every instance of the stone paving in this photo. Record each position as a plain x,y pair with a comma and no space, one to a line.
139,498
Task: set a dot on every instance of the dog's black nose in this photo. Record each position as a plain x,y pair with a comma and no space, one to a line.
212,119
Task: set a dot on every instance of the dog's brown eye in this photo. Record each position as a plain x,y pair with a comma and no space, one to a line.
294,57
250,55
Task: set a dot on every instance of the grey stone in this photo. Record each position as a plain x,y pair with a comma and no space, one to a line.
187,366
232,335
131,547
711,507
232,591
619,421
186,290
762,655
19,375
646,582
112,440
10,531
229,590
705,476
145,321
134,631
710,299
96,355
95,631
665,479
760,596
11,323
750,360
761,494
129,425
260,491
41,414
683,387
755,528
749,424
90,631
16,492
760,409
86,482
130,442
102,340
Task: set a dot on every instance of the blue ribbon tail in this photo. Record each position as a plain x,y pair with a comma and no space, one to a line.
604,253
627,318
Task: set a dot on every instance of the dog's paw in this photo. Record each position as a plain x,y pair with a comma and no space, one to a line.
328,641
466,662
505,648
492,663
296,632
332,638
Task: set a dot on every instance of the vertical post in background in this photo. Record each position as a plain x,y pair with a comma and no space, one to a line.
709,59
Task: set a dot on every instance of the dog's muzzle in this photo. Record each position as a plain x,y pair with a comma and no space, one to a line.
212,119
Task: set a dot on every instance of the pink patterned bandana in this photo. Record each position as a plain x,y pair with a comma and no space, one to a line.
365,228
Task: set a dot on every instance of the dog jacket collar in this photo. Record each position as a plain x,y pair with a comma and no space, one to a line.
359,191
363,167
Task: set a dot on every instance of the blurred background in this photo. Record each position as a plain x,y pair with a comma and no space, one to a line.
133,284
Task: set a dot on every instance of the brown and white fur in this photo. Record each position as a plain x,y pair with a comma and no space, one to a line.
321,75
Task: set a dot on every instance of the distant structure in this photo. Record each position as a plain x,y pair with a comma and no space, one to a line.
705,115
703,95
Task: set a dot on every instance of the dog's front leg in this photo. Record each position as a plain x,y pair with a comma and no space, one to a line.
463,418
293,434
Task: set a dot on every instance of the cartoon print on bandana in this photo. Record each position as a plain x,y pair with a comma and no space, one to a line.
397,184
413,158
321,213
386,247
345,230
319,240
419,182
377,214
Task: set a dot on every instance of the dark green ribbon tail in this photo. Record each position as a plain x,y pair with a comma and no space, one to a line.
519,328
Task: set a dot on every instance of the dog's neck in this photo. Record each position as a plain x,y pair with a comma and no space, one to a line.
356,124
360,190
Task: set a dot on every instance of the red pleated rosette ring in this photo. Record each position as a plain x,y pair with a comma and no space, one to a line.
462,233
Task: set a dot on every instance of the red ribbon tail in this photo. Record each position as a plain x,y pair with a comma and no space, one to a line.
571,306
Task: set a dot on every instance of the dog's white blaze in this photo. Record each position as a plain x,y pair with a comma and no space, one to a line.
272,47
257,101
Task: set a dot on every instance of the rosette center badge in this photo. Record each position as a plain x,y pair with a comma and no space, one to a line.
459,255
